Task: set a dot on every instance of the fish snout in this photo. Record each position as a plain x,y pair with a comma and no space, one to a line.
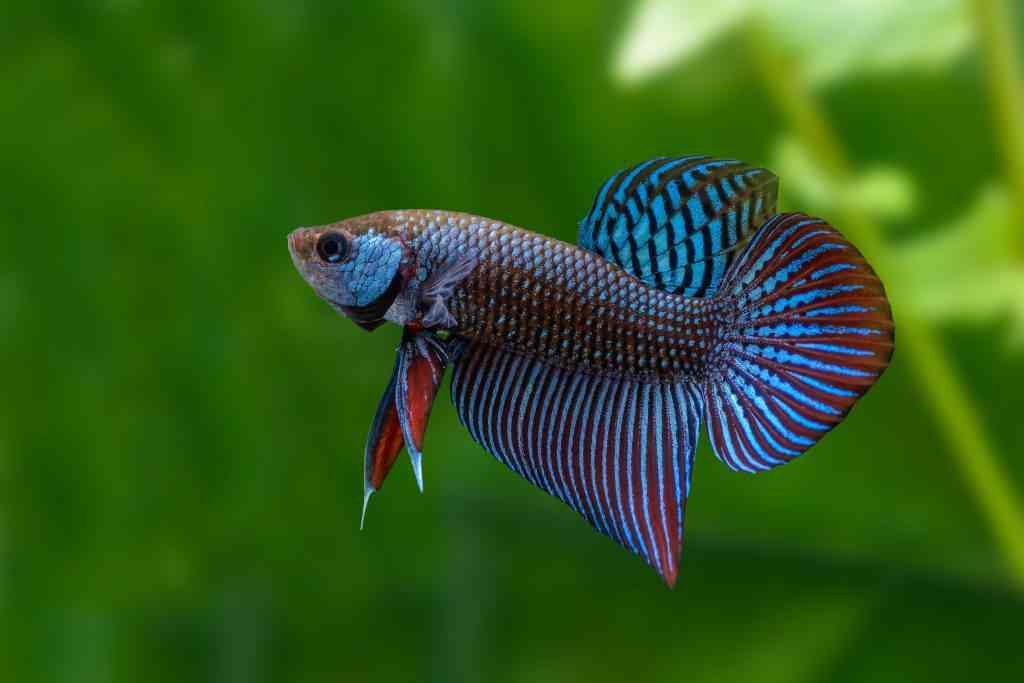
297,238
300,246
300,243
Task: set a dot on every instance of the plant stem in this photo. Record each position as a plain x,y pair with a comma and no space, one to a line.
994,26
956,414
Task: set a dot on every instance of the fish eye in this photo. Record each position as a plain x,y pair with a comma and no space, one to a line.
332,247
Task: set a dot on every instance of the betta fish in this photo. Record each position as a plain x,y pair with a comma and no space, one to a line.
587,369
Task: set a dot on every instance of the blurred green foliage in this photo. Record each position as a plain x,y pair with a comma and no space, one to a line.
182,420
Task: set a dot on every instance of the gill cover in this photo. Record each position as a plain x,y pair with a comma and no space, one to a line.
370,279
359,273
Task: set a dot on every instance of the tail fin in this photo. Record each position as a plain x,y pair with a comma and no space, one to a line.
812,332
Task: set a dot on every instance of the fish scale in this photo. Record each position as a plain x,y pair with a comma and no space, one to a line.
539,296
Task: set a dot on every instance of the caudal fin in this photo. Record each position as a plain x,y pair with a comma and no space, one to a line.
812,333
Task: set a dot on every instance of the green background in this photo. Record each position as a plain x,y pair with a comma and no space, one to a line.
182,420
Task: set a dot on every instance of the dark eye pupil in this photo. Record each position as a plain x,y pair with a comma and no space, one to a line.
331,247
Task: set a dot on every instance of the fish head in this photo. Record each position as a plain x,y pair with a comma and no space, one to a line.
356,265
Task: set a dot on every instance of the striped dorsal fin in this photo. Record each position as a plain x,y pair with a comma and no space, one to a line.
677,223
619,452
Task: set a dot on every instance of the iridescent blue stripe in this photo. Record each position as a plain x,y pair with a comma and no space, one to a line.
674,163
659,459
581,420
530,375
535,403
549,399
493,367
645,404
775,382
678,408
517,381
626,450
835,348
617,524
765,410
837,310
497,428
560,456
600,413
620,192
799,418
739,415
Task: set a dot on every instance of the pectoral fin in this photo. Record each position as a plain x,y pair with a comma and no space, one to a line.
438,289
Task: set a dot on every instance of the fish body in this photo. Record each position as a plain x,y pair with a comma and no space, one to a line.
588,368
541,297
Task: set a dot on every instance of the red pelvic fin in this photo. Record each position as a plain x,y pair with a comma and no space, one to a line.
422,359
385,439
404,409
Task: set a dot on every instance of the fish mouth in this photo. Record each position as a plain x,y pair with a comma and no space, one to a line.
298,243
371,316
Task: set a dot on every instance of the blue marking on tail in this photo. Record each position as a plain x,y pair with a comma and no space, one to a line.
812,331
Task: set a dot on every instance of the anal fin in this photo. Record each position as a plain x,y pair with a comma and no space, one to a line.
618,451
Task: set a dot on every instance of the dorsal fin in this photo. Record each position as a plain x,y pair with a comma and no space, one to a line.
677,223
